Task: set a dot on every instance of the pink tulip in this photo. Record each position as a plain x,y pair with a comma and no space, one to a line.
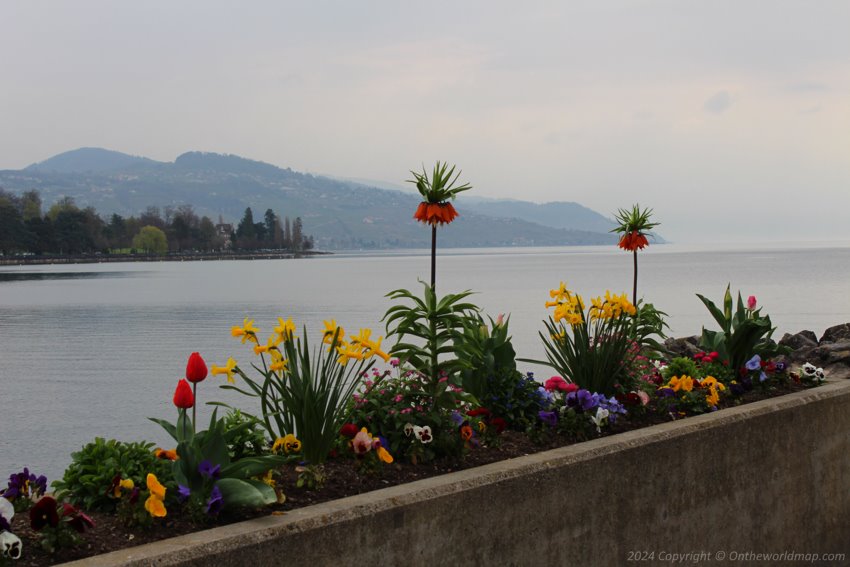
751,302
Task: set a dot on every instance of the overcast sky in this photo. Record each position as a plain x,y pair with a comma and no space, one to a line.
730,119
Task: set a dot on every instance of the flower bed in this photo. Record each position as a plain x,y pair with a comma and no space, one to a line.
767,477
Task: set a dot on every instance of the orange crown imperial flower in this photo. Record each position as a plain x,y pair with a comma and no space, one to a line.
435,213
632,241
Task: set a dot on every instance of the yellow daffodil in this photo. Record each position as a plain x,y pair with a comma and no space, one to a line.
271,344
562,293
331,331
247,331
348,352
286,329
278,362
228,369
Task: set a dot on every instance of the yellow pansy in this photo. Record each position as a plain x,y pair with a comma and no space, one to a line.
289,444
712,398
226,369
155,503
247,331
384,455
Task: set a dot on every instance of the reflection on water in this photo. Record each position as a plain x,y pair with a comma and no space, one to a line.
28,276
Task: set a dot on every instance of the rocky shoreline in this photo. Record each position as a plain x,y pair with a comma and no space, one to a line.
831,352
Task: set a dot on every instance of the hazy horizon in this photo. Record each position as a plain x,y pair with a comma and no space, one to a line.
731,120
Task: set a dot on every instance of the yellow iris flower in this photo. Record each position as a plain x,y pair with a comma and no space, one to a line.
226,369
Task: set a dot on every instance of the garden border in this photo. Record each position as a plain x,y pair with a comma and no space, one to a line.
768,477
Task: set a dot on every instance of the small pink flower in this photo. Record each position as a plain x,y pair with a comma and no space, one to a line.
751,302
500,319
398,398
394,362
644,397
407,410
443,379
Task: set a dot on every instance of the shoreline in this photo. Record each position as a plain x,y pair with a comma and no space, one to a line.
189,257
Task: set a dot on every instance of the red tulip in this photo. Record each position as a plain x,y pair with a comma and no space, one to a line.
183,397
196,368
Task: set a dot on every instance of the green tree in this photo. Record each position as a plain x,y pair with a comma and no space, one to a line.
246,232
151,240
297,235
13,231
208,238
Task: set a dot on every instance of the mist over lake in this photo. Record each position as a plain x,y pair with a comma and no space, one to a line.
93,350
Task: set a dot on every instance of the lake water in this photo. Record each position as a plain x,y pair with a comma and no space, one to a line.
93,350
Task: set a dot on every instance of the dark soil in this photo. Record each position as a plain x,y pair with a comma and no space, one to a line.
342,479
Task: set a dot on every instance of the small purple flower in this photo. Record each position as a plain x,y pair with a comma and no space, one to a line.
207,469
456,418
583,400
762,377
780,366
754,363
550,418
666,392
545,397
215,502
183,493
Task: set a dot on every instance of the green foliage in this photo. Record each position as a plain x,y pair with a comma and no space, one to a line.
514,397
633,220
743,333
87,479
441,185
151,240
436,322
682,366
249,440
235,477
647,324
484,353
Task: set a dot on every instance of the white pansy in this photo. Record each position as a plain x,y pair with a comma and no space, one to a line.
809,369
6,509
599,418
10,545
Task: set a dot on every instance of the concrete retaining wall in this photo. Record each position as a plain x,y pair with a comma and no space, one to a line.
769,477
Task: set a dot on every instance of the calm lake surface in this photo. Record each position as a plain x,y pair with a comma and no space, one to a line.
93,350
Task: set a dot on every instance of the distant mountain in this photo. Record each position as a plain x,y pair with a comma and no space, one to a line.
85,160
340,214
557,214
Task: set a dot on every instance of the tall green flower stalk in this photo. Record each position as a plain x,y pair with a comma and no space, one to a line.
435,209
633,225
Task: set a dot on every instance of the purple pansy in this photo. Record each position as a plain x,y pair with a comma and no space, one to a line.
215,502
207,469
550,418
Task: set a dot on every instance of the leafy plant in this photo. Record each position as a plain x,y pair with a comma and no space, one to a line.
436,322
204,464
250,441
592,350
485,351
682,366
514,397
743,333
87,479
647,324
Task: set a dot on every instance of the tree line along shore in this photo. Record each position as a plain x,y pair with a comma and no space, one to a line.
66,231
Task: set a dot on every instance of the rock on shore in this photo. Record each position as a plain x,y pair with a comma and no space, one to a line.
831,352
